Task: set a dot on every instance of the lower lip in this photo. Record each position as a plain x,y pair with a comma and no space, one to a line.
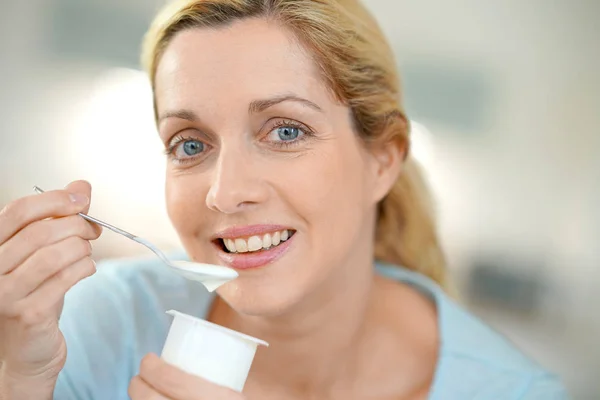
255,259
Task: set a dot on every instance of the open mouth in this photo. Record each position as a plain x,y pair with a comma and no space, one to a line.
256,243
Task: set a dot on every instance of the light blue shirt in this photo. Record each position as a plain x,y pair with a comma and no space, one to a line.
114,318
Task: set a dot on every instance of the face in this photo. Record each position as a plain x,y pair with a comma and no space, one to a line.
265,173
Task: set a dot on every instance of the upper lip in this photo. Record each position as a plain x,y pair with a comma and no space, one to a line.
248,230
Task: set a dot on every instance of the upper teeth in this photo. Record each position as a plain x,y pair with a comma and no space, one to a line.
255,243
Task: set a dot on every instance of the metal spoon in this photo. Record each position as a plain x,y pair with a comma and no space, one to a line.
211,276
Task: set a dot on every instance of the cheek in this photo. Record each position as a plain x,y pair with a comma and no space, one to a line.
331,190
186,202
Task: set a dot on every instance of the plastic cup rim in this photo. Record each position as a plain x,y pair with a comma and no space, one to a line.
220,328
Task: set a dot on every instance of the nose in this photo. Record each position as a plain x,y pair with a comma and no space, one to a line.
237,183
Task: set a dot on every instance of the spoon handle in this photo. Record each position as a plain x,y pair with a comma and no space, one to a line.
120,231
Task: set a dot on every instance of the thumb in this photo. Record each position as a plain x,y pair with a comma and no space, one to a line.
83,188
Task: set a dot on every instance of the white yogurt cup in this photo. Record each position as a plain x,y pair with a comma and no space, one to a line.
210,351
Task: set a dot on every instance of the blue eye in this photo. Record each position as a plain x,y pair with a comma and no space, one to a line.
287,133
192,147
185,149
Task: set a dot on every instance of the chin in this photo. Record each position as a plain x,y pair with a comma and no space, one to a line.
261,298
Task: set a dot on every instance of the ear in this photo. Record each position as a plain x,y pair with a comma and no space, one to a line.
388,161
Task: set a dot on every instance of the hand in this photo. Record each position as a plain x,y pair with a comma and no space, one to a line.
44,251
159,381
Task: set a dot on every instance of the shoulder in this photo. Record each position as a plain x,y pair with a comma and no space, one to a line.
474,360
138,284
131,294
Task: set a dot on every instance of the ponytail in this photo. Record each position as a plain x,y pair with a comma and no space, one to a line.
406,231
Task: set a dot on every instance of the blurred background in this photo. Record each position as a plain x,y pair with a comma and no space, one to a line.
506,96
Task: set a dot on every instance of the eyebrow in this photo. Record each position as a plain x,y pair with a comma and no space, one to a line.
182,114
256,106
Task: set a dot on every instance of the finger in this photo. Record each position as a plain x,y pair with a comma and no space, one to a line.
42,234
173,382
20,213
140,390
46,263
41,303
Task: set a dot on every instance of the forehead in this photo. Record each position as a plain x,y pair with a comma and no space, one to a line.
248,59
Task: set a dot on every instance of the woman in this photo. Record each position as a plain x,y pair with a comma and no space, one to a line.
288,160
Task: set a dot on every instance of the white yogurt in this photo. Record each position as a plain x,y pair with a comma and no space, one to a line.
211,276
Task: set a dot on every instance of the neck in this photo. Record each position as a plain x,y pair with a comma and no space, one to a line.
319,339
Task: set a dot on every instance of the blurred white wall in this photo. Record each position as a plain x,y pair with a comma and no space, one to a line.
510,92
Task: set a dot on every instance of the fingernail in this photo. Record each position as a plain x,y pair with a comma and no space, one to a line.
79,199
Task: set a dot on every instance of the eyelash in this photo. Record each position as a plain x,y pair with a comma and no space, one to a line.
179,139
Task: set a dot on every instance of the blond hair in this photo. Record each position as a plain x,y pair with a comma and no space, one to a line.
358,66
